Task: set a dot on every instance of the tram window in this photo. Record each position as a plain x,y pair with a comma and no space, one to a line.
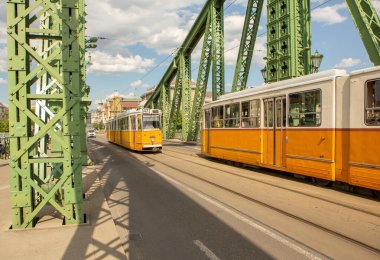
250,114
139,123
217,117
207,118
133,123
232,115
151,121
372,110
305,109
127,123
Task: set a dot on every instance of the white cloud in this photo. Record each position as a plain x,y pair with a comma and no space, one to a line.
3,60
136,83
376,4
3,81
348,62
104,62
151,23
329,14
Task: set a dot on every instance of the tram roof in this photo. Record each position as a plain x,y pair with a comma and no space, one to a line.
307,79
366,70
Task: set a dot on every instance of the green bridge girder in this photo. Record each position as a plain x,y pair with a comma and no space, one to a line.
210,18
52,77
288,39
247,44
288,54
368,24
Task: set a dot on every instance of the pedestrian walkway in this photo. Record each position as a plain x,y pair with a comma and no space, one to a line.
97,239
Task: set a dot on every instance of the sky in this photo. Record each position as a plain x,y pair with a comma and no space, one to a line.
142,36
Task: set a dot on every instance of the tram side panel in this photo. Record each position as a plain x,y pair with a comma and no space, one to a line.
310,141
342,131
240,145
364,134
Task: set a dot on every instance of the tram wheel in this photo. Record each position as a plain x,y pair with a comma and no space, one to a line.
322,182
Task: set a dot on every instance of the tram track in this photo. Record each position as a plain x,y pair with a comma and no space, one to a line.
268,206
273,185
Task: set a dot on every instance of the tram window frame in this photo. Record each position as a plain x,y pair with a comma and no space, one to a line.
304,110
133,123
374,110
250,120
139,122
207,118
217,118
232,118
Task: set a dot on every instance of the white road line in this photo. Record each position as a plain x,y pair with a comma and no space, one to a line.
207,251
291,244
4,187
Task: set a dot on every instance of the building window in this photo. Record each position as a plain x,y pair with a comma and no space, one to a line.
305,109
250,114
372,109
232,115
217,117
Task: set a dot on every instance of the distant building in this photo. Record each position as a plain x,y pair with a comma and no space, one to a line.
114,105
3,111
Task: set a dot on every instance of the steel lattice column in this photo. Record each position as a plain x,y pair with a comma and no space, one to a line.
247,44
217,19
288,39
368,24
201,87
165,108
177,97
60,65
186,96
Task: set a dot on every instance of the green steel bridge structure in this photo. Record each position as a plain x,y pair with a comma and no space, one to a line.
48,95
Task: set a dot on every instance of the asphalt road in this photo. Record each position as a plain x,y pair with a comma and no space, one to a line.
161,212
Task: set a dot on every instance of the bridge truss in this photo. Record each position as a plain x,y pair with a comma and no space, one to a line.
47,103
288,55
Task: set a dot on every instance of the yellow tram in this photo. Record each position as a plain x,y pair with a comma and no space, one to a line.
138,130
324,125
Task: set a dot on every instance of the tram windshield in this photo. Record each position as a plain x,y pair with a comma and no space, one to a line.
151,122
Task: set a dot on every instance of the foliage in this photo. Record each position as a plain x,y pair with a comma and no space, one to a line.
99,126
4,124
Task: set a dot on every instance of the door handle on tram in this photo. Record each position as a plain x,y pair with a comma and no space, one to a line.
286,139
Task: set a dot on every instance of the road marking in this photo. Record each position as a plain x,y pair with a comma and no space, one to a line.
286,241
207,251
4,187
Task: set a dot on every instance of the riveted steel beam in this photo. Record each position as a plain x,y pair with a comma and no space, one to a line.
288,39
247,44
38,175
201,87
217,20
368,24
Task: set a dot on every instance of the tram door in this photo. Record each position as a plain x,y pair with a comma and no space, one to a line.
274,131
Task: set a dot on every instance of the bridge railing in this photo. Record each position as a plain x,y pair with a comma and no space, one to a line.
4,146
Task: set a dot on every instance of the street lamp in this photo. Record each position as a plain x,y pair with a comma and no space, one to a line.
316,60
264,73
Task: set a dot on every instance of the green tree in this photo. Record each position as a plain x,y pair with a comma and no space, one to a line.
4,124
101,125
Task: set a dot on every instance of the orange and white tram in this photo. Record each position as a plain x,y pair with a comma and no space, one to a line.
138,130
324,125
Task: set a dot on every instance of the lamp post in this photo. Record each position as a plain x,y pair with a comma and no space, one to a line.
316,60
264,73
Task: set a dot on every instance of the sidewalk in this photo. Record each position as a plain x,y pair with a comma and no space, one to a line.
97,239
